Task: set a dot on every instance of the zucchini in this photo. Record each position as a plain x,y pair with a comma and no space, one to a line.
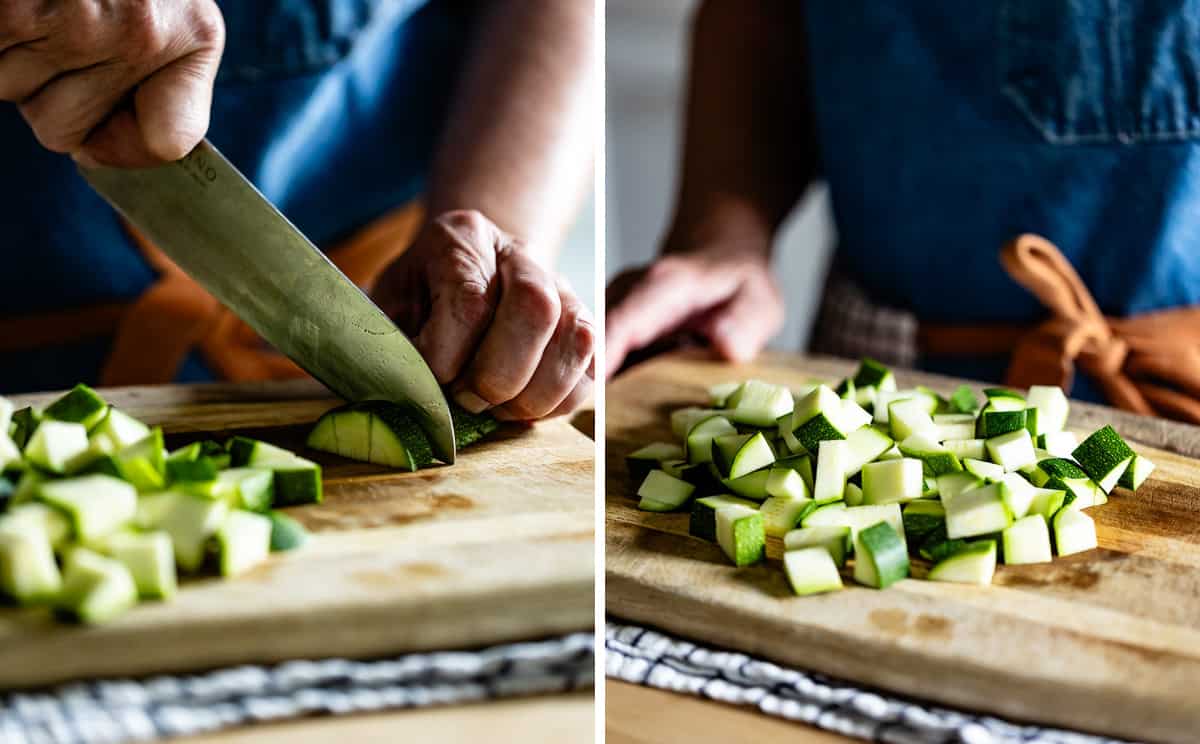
892,481
243,541
1027,540
811,571
863,446
197,475
853,417
802,464
323,436
857,518
832,538
703,521
921,518
700,438
660,492
143,463
96,505
1074,532
881,558
1052,406
758,403
936,458
973,563
1104,456
80,405
190,521
641,461
1047,501
286,533
719,394
397,441
1011,451
977,512
1136,474
1018,494
56,446
782,513
786,483
149,558
252,489
909,416
963,400
95,589
741,534
993,423
683,419
1058,443
817,418
28,571
830,481
873,374
953,426
752,486
25,422
1003,399
853,495
950,485
964,448
736,455
10,454
115,432
297,480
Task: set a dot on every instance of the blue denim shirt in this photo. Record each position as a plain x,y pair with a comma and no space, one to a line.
331,107
947,128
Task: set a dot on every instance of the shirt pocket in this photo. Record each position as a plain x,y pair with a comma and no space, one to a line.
1098,71
274,39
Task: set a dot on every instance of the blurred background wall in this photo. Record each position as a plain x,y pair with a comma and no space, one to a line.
647,42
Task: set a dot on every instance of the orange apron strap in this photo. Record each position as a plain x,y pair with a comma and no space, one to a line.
1148,364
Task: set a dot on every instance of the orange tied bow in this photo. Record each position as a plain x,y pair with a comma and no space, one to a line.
1148,364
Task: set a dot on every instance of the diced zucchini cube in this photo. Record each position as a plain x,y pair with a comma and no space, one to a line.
56,445
834,539
1018,494
817,418
811,571
910,416
892,481
243,541
1104,456
978,512
972,563
881,558
830,481
1027,540
1012,451
1137,473
150,559
95,589
1074,532
1052,407
96,505
741,534
80,405
661,492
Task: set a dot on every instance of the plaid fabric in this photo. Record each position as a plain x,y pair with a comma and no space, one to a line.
850,325
112,711
645,657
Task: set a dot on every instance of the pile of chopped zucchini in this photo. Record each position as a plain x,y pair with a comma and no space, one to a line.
867,473
96,515
386,434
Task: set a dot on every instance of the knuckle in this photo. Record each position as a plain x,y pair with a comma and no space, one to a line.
55,137
495,389
524,408
535,299
584,338
464,224
666,267
208,28
470,306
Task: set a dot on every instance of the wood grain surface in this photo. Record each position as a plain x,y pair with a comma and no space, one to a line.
498,547
1105,641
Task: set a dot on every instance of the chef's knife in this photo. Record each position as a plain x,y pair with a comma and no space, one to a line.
218,228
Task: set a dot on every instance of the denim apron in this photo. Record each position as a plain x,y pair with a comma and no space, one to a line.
331,107
947,128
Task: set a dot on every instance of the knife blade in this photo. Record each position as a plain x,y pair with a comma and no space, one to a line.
204,214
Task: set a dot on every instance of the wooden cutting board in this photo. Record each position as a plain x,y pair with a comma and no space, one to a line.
1106,641
497,548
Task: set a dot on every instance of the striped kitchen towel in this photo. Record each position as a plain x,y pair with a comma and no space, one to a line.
112,711
647,657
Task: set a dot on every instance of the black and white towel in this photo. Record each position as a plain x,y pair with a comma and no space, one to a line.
112,711
647,657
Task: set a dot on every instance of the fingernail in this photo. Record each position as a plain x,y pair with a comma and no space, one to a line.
471,401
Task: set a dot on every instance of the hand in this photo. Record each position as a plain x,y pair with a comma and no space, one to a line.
494,325
728,296
124,83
